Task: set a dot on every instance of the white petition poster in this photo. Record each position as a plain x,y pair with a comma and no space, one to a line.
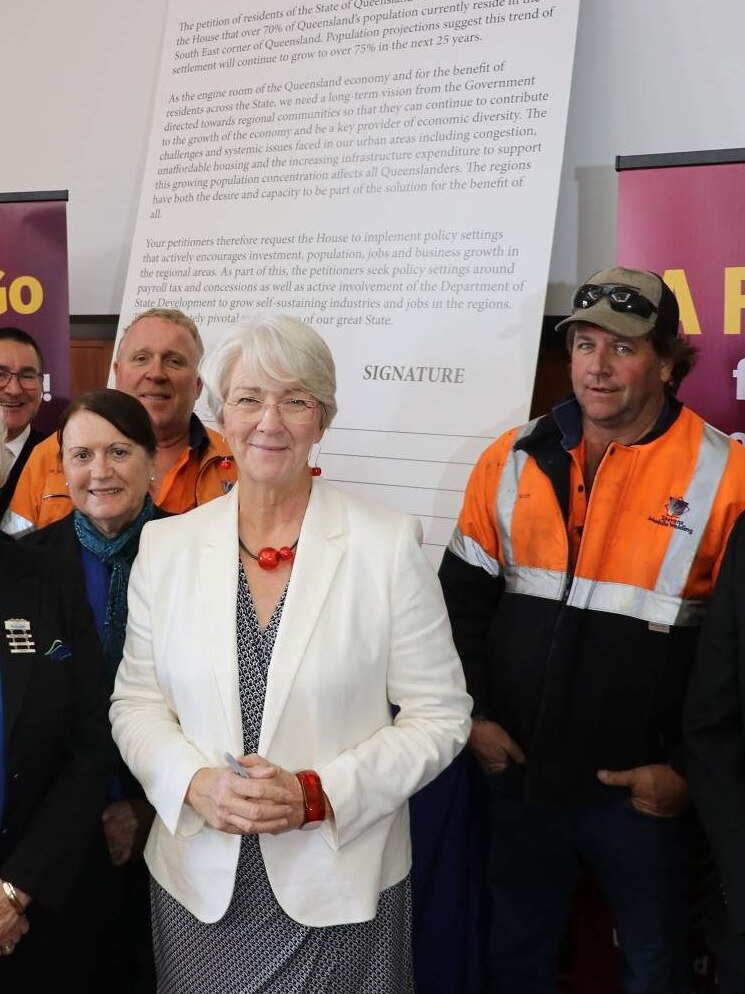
388,171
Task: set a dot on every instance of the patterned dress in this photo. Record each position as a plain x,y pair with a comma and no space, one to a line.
256,948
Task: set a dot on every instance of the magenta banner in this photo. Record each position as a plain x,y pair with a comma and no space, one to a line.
687,222
683,216
33,287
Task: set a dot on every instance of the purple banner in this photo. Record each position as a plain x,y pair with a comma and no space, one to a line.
688,224
34,291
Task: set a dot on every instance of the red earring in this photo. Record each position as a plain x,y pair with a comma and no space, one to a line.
315,470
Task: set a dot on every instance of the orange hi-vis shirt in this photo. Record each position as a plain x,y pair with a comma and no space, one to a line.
205,470
647,544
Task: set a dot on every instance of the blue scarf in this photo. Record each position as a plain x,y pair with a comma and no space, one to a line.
118,555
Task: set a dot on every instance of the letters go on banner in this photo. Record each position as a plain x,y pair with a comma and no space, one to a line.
34,288
683,215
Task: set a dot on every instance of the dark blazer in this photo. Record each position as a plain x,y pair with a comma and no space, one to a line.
58,754
124,962
60,538
714,728
6,491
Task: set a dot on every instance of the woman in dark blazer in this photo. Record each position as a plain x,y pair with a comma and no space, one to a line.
56,761
108,448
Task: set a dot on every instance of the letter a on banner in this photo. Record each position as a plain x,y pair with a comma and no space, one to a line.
682,214
33,287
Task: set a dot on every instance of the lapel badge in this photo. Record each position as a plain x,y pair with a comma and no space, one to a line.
18,634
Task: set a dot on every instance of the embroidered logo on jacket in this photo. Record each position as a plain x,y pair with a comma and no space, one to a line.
59,650
675,508
18,634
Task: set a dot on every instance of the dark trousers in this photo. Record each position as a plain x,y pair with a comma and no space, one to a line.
124,962
640,862
53,957
730,980
447,883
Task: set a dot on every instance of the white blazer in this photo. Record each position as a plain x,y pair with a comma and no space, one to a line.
363,626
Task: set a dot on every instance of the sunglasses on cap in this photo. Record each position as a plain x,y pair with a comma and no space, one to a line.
620,298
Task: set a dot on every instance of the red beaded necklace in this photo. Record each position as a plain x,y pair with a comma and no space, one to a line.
269,558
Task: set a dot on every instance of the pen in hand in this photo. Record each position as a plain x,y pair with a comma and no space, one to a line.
236,767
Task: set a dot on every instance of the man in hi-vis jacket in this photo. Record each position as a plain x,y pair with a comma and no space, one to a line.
157,362
576,580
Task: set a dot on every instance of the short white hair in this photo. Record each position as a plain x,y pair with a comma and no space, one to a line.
6,456
276,347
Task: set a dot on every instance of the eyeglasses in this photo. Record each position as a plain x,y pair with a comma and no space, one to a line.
292,410
620,298
29,379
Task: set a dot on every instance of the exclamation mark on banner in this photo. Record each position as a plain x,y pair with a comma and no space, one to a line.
46,387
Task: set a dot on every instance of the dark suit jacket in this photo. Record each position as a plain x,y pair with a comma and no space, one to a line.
714,727
60,538
6,491
58,752
121,931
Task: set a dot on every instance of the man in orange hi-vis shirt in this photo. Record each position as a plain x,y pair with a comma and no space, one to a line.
576,581
157,362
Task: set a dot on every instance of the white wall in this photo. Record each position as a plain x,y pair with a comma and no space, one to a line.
650,76
77,80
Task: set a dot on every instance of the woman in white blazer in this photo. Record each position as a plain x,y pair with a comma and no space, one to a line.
303,631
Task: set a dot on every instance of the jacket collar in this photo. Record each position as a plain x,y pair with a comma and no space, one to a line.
199,440
560,431
564,423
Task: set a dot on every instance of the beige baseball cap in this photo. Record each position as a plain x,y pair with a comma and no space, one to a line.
631,317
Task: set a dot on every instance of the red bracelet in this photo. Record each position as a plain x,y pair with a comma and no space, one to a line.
313,798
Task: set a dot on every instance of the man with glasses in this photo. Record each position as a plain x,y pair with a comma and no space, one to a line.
157,362
21,370
576,581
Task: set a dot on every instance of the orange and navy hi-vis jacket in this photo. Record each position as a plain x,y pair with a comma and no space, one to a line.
576,620
206,469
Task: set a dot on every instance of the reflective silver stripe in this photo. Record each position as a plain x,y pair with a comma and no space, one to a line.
614,598
471,552
634,602
535,582
13,524
713,456
509,482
